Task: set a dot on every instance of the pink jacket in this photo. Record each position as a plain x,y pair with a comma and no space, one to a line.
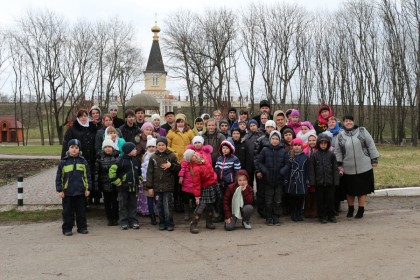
187,183
205,151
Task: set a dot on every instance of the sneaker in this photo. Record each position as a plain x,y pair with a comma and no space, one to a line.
162,227
135,226
68,233
332,219
246,225
269,222
276,221
170,228
83,231
323,220
124,227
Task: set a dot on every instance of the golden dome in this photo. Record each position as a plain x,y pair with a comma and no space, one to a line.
155,30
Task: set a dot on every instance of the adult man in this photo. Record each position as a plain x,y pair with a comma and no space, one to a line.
170,121
113,111
264,108
231,116
140,116
129,129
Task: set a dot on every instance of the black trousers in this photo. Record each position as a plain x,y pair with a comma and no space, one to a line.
111,205
326,198
74,205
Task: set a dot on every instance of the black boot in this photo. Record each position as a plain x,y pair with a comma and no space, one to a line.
194,223
153,219
360,212
209,220
350,211
186,212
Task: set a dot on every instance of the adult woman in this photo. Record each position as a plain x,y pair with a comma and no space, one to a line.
321,124
356,156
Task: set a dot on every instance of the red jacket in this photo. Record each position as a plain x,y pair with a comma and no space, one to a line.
247,194
203,176
187,183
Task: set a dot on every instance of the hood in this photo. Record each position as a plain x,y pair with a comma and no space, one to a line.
275,132
279,112
229,144
94,107
321,119
242,172
323,137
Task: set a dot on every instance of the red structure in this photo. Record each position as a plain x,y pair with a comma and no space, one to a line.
11,129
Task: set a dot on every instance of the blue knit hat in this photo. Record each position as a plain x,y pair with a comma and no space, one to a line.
253,121
74,142
128,147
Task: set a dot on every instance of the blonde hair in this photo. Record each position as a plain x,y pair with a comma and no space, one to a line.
111,129
211,120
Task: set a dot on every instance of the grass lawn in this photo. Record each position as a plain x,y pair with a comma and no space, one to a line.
54,150
398,167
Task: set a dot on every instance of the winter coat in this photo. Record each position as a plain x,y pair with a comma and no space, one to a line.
129,132
263,141
187,183
86,136
298,179
160,131
214,140
245,155
205,151
272,163
141,141
166,127
127,172
117,122
73,176
203,176
251,138
227,165
159,179
178,141
355,150
295,126
247,195
100,137
102,166
323,167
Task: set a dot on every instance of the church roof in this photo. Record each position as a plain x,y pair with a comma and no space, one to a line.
155,62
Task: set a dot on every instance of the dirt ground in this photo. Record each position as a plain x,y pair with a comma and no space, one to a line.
12,168
382,245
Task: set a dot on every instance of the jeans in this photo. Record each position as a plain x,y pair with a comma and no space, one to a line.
128,208
273,198
165,207
246,213
74,205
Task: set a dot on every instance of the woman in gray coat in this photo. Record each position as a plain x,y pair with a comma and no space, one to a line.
356,156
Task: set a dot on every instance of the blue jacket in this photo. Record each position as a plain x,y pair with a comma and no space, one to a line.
73,176
227,166
272,163
127,172
298,179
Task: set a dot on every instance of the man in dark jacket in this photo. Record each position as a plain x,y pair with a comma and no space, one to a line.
170,121
323,174
130,129
264,108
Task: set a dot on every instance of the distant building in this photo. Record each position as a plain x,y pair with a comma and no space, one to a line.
11,129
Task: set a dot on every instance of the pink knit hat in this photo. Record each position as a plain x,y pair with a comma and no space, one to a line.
307,124
295,113
297,141
146,125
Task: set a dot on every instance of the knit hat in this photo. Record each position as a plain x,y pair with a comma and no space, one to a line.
169,113
112,107
307,124
270,123
198,139
128,147
163,140
108,143
188,154
154,117
229,144
313,134
74,142
146,125
275,132
297,141
253,122
295,113
151,142
180,117
289,130
232,110
264,103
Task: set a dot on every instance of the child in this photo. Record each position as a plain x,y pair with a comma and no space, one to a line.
205,188
112,133
324,175
272,168
199,128
243,151
310,208
198,146
125,174
224,128
297,181
161,171
306,130
242,128
107,157
294,121
213,138
227,165
288,136
73,184
144,198
238,201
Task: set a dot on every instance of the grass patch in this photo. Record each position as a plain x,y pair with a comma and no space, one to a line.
398,167
54,150
30,216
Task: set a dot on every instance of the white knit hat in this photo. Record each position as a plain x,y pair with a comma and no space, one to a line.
154,117
188,154
151,142
198,139
270,123
108,142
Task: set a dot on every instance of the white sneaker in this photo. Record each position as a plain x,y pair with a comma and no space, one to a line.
246,225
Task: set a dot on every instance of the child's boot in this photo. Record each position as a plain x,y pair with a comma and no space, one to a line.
186,212
209,221
194,223
360,212
153,219
350,211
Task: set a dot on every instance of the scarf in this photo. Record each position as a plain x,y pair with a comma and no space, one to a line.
115,141
237,203
84,125
335,130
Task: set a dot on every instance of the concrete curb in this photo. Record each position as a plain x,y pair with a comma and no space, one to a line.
410,191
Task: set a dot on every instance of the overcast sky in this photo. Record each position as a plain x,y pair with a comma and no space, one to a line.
141,13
